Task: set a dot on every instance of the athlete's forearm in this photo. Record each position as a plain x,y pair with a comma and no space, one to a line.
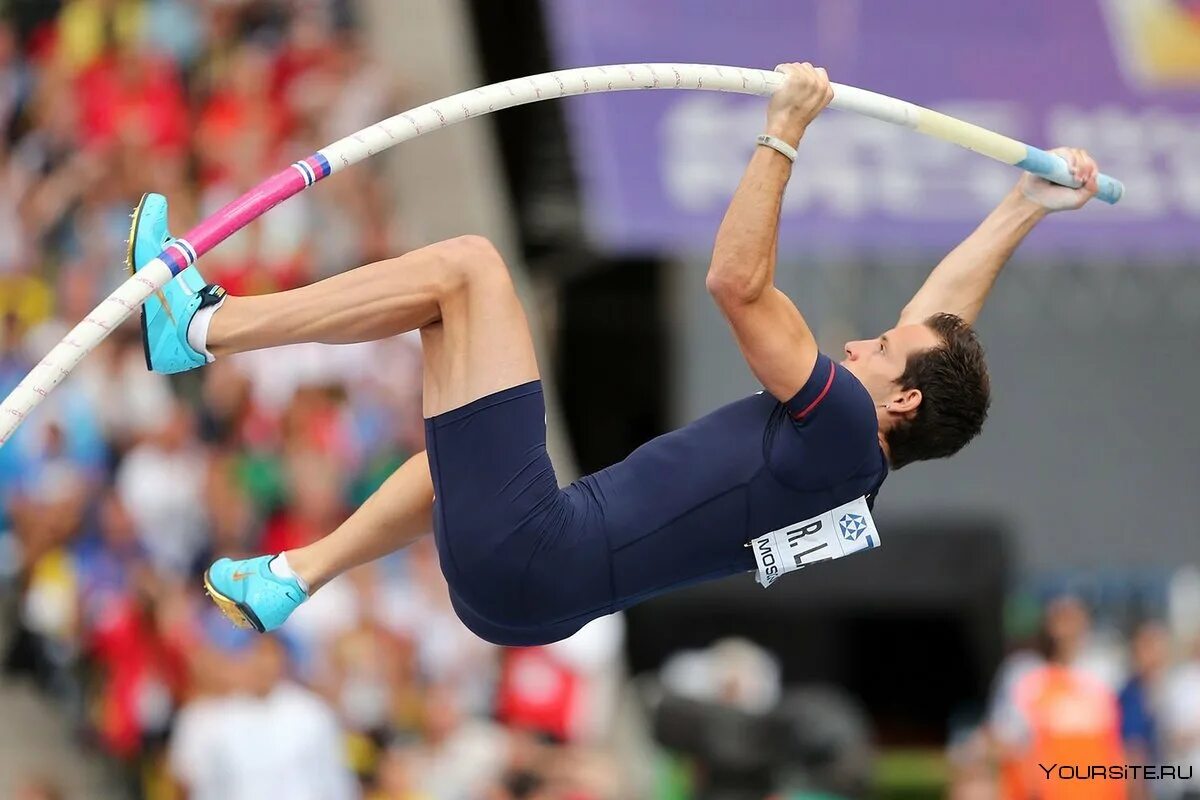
743,259
961,282
399,513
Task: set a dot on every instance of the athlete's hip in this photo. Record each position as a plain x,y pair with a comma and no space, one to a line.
515,547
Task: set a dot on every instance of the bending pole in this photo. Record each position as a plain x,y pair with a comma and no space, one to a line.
184,252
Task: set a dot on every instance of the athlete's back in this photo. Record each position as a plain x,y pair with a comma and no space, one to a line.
681,508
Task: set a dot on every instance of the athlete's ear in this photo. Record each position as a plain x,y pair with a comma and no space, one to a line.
904,401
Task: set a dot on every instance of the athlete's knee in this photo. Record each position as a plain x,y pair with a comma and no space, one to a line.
473,247
474,262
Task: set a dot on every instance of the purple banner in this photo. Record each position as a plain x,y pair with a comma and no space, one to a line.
1118,77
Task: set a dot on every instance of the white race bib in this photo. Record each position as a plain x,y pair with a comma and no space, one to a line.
844,530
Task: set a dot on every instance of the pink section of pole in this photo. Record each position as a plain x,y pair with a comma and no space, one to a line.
241,212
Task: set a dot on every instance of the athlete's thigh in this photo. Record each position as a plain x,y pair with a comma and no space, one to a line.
482,344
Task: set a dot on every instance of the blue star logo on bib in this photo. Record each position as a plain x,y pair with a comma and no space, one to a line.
853,526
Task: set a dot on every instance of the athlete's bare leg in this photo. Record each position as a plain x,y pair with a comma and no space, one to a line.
474,333
399,513
475,339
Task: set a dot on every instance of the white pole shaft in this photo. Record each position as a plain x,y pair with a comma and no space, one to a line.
438,114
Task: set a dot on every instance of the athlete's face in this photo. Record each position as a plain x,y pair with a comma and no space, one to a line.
878,364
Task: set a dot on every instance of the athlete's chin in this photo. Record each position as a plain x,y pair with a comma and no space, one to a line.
862,377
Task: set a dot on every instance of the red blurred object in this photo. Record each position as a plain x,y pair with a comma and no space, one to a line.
136,99
539,693
233,121
140,671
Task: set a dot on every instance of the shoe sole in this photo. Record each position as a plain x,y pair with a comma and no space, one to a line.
134,218
131,268
239,614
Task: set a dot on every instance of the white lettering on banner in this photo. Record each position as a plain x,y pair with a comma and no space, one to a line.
852,166
855,168
699,157
846,529
1156,152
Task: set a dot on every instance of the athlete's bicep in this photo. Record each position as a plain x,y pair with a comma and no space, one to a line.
774,339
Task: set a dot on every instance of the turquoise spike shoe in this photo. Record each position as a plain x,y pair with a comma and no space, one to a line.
251,595
167,313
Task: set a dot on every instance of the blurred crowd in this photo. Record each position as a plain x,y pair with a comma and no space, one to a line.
1077,705
124,485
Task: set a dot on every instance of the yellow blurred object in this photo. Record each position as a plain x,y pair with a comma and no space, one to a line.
87,29
1173,37
26,297
52,596
1159,41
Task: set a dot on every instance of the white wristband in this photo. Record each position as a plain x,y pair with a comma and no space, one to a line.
777,144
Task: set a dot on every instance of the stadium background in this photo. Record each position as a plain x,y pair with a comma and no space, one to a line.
1068,529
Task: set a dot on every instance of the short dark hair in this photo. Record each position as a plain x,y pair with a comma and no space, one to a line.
955,395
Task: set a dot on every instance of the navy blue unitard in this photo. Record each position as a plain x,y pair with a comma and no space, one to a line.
530,563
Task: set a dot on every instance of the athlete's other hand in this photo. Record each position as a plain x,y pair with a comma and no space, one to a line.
1050,195
804,94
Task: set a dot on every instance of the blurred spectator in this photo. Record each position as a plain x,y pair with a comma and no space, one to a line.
1141,698
242,126
161,482
1051,708
15,83
971,773
397,777
521,785
566,690
733,672
176,29
113,565
1181,720
130,401
415,604
125,482
270,736
49,172
38,789
133,98
90,29
375,684
1065,630
31,18
1074,640
144,669
458,756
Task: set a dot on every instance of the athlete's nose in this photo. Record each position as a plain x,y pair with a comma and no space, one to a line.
850,350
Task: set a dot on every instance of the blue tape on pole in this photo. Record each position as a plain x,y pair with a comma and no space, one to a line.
1054,168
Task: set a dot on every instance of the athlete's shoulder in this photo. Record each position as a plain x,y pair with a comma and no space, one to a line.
834,432
831,394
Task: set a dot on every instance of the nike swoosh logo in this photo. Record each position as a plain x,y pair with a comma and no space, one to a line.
241,576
